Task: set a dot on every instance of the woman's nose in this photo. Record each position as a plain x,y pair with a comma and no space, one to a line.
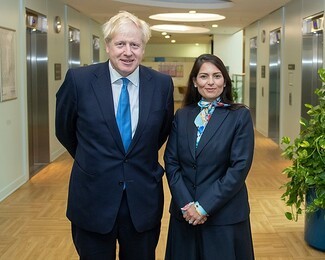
210,81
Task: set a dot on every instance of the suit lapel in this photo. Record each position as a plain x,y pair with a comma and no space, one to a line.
146,90
103,91
192,130
213,125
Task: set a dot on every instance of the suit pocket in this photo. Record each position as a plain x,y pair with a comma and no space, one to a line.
77,167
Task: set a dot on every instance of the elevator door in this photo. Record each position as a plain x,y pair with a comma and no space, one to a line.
312,60
252,77
37,98
274,85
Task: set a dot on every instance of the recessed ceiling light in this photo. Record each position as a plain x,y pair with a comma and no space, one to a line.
163,33
173,41
214,25
174,28
187,17
191,4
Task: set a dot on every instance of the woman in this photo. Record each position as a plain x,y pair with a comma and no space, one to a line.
207,159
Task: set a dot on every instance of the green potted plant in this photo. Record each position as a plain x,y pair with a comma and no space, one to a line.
305,188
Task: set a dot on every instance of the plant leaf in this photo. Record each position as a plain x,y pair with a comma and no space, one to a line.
288,215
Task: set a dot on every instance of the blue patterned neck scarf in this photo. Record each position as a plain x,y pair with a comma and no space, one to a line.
202,119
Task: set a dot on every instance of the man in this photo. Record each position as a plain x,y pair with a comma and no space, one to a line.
116,191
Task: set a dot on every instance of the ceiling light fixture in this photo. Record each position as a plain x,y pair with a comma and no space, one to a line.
187,17
192,4
174,28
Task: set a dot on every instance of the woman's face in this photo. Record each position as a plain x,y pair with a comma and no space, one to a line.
209,81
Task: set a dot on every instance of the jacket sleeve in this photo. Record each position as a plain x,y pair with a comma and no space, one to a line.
66,114
169,114
181,195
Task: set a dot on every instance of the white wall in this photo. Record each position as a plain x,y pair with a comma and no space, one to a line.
269,23
176,50
291,79
250,32
13,149
57,53
229,48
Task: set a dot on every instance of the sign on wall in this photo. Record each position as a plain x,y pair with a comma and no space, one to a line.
171,69
7,65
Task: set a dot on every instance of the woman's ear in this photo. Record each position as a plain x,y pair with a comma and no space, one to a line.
194,82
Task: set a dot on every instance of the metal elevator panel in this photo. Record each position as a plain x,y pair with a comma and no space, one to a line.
312,60
37,95
274,85
252,77
74,47
96,48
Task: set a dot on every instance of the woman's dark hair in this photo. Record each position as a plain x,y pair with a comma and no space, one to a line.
192,95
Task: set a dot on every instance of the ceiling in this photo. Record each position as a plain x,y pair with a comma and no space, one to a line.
240,15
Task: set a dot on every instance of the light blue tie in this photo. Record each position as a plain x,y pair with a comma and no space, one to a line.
123,115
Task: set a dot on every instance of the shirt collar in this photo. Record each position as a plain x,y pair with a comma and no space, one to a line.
133,77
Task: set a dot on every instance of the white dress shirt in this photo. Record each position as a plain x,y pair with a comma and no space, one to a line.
133,89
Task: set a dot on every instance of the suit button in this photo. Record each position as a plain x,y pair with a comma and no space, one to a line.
125,160
194,166
120,183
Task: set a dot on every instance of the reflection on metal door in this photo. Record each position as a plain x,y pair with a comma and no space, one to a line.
274,85
96,47
252,76
312,60
37,91
74,47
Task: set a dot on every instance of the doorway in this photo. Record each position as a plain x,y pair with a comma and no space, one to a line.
252,77
312,60
274,85
37,91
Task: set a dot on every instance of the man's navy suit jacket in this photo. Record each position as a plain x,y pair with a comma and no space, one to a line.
87,128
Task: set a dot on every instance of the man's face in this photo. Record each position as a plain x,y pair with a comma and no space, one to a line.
126,50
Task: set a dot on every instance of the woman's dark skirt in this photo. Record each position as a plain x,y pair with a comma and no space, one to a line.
209,242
